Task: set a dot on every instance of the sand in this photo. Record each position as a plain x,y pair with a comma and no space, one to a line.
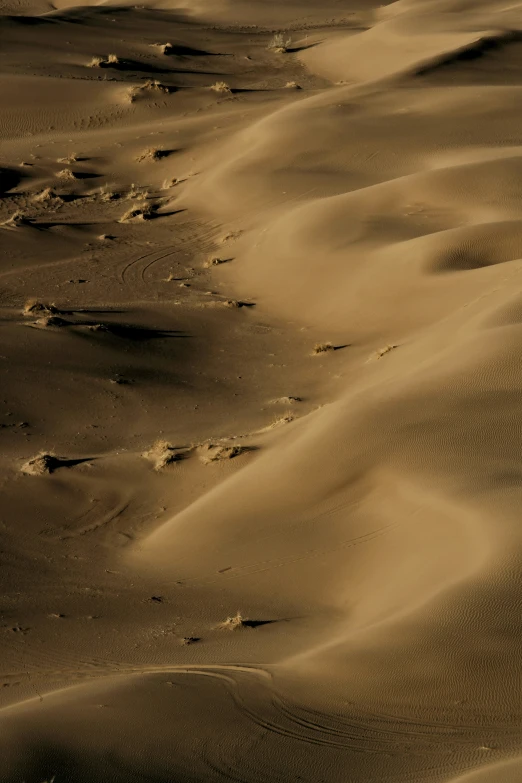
261,323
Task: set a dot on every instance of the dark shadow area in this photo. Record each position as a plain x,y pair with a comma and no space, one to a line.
258,623
9,178
94,310
85,175
130,65
294,49
23,21
41,225
191,71
46,762
187,51
44,464
129,331
473,51
68,198
46,317
44,226
238,90
70,463
169,214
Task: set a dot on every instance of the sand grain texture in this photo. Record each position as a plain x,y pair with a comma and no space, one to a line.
274,335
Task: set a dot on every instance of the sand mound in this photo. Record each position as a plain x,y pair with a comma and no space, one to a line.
150,87
49,321
163,454
287,400
110,61
35,307
235,623
41,465
141,210
215,261
217,452
18,218
152,154
67,174
323,348
47,196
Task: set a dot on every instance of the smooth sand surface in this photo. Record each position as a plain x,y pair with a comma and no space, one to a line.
260,334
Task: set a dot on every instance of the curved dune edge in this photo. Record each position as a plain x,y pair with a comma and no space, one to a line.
463,238
506,771
204,702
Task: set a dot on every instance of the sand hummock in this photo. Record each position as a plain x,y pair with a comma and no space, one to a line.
217,452
235,623
41,465
162,454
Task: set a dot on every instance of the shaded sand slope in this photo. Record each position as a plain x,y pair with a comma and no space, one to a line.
356,503
224,715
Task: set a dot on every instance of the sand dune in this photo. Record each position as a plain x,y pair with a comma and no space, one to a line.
260,414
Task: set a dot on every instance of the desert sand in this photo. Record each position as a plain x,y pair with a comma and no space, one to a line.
260,421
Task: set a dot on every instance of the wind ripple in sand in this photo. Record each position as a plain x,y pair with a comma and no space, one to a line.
229,716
